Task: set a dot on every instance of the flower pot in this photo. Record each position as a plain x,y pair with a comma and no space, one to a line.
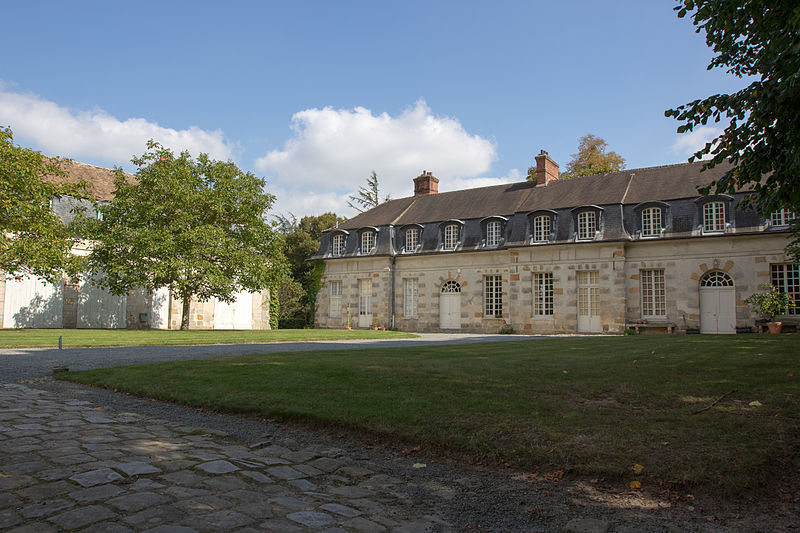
374,328
775,327
348,327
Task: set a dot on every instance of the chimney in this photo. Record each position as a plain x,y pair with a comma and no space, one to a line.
425,183
546,169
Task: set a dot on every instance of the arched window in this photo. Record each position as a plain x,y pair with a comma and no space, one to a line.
493,231
412,239
716,278
451,287
587,225
367,241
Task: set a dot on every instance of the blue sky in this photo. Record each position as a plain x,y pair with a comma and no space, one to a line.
315,95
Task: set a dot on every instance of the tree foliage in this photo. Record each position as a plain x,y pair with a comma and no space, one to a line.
758,40
197,227
33,239
368,196
301,242
592,158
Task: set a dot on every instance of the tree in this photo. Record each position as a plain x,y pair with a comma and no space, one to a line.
33,239
197,227
301,242
368,195
592,158
762,132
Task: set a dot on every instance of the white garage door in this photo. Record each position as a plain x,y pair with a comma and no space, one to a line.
717,303
33,303
235,315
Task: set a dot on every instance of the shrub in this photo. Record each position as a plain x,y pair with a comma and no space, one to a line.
291,323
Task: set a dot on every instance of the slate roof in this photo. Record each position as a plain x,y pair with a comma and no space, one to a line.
634,186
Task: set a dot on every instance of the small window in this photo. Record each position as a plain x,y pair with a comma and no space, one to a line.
337,247
787,278
587,225
493,296
651,222
714,217
411,298
782,217
451,236
493,231
336,300
543,293
541,228
367,242
412,239
653,293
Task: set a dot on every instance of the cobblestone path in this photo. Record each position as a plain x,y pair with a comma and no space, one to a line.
70,465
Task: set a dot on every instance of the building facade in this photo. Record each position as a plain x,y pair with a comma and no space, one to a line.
31,302
595,254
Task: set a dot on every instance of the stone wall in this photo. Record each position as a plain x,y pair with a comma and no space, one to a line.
745,258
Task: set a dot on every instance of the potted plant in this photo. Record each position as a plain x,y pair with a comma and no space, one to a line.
375,324
769,303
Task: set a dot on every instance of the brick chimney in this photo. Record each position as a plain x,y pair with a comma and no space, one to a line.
546,169
426,183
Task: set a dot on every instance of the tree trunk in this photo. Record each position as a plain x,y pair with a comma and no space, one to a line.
187,299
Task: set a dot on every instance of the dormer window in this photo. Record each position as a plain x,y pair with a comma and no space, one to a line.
782,217
587,225
367,241
451,236
714,217
493,231
651,222
541,228
337,244
412,239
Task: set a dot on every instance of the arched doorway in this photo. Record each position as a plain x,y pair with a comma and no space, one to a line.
450,305
717,303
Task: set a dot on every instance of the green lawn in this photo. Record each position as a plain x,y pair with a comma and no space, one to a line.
589,406
72,338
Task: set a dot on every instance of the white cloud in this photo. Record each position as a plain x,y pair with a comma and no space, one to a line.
336,149
95,135
689,143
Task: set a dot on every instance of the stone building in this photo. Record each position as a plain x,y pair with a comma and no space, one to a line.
598,253
31,302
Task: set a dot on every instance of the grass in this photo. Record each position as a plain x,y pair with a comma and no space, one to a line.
73,338
588,406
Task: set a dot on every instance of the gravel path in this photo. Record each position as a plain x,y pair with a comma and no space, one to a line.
431,493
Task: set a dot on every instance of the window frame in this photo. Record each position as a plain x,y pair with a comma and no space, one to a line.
335,305
652,293
781,218
586,225
494,233
408,231
542,226
338,241
370,236
411,297
714,211
786,277
652,222
448,236
542,288
493,296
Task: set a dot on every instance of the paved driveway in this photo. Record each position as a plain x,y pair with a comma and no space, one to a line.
74,458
